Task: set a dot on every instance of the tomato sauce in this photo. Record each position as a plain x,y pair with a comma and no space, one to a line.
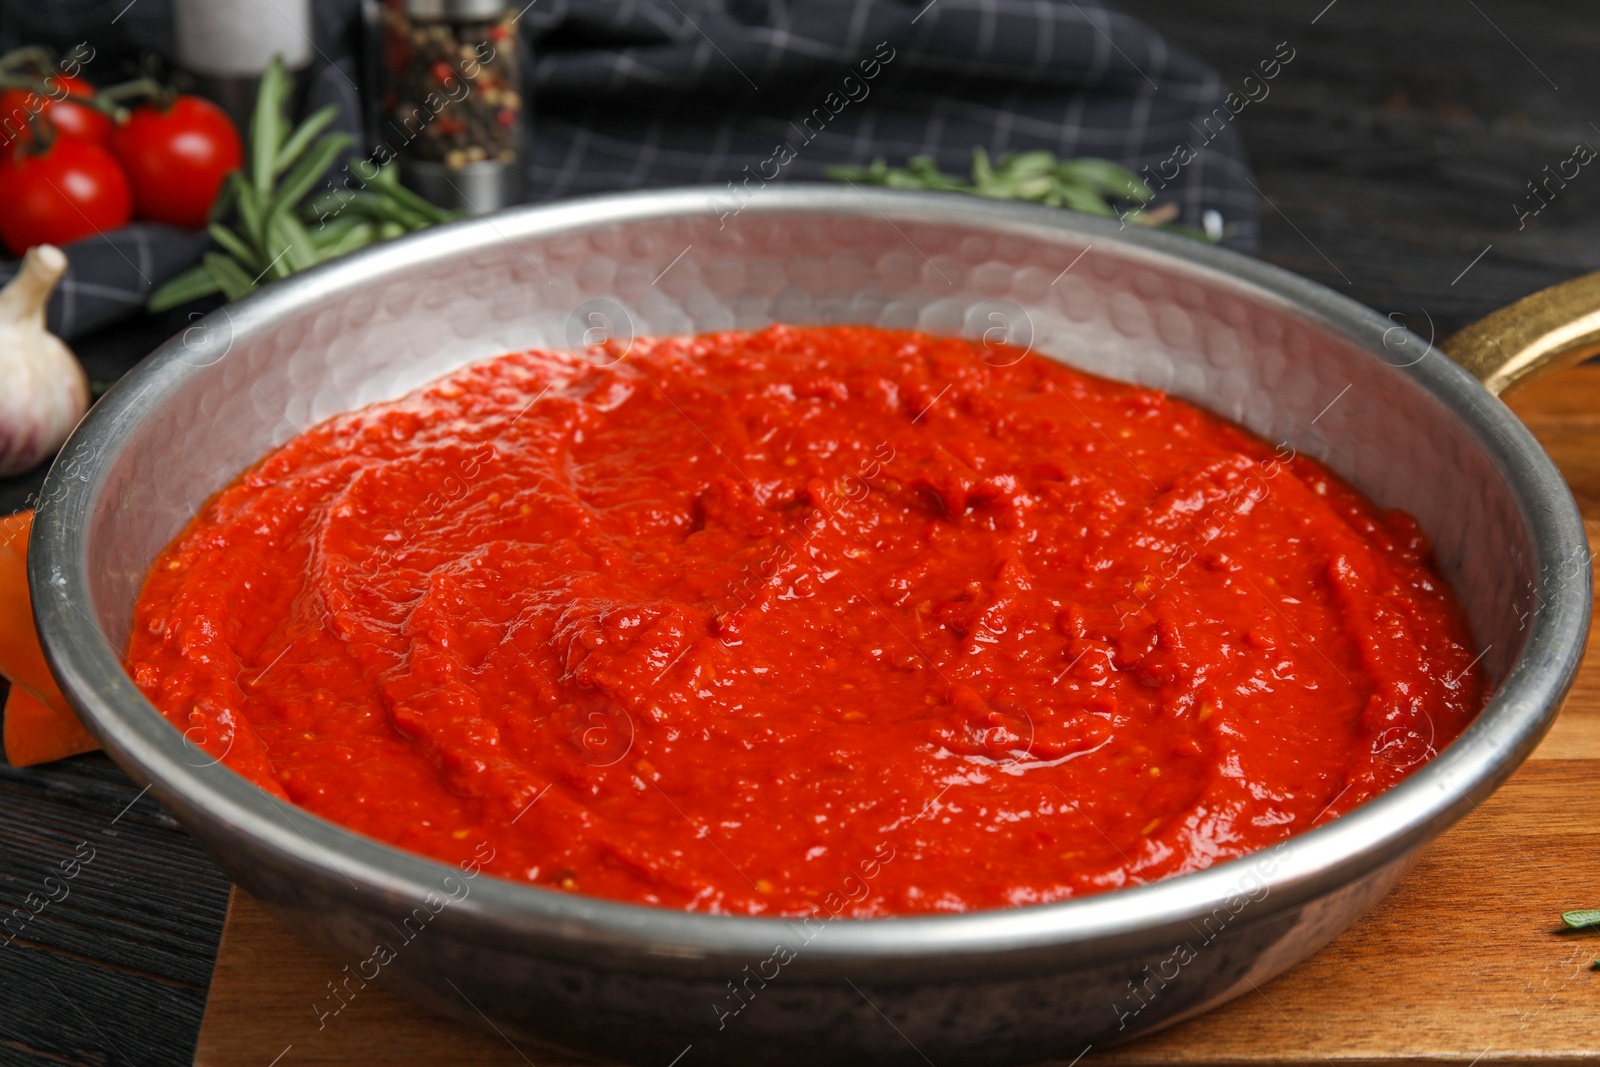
838,620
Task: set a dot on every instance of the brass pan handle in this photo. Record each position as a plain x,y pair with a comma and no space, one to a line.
1539,334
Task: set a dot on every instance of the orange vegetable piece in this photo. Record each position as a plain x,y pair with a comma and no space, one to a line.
35,732
39,726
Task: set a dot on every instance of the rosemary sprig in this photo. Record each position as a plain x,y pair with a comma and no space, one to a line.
1094,186
275,234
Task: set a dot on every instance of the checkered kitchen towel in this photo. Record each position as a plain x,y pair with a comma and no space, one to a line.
628,94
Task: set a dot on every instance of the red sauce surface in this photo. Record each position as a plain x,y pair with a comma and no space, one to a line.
805,619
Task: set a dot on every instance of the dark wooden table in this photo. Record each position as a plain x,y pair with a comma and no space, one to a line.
1394,153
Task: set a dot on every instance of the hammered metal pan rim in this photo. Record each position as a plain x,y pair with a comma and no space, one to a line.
368,872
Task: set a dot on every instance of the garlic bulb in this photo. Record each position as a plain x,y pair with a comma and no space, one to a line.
43,390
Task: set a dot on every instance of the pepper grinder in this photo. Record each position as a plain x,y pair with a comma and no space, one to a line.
227,44
451,104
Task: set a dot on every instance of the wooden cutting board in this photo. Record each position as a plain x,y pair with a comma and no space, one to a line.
1464,963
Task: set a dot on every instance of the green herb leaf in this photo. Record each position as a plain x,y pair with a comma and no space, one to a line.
1029,164
329,232
402,214
899,179
1094,186
1582,919
359,234
298,182
278,266
326,206
381,208
925,169
234,245
287,232
266,128
383,177
192,284
982,172
339,204
430,213
250,214
1035,187
1106,178
1080,199
307,132
230,277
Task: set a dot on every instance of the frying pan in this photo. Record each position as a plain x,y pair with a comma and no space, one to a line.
1289,359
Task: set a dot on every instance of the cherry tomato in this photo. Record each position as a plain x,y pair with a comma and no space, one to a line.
176,158
70,190
68,118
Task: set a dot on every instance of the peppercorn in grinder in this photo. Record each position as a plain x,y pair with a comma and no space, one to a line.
451,101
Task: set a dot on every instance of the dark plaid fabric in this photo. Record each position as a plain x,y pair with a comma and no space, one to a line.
629,94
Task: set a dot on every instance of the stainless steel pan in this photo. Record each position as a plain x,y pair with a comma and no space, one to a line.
1287,358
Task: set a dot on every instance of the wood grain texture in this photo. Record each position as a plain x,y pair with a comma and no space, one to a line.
264,994
1397,144
1463,963
114,967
